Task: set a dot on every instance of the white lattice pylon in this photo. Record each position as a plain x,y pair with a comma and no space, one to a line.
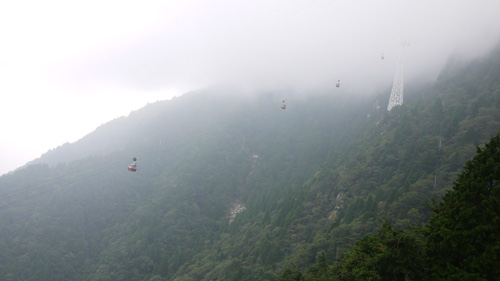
397,87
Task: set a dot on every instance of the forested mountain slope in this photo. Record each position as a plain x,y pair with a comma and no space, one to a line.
306,181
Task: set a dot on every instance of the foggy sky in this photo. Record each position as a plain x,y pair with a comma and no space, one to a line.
68,66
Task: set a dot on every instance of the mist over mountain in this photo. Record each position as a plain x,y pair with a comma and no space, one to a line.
231,187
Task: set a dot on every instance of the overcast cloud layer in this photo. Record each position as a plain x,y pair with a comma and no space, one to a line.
68,66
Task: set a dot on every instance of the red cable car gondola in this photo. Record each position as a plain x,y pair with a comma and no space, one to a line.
283,106
133,167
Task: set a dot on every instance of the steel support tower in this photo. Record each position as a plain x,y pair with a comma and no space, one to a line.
397,87
398,84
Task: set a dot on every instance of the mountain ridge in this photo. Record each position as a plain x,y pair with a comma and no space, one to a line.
312,179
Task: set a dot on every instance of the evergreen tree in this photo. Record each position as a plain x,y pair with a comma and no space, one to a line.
291,275
463,234
387,255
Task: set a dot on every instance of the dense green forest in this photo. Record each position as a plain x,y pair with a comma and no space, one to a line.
231,187
460,242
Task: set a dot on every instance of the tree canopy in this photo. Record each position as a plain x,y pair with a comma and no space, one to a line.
463,234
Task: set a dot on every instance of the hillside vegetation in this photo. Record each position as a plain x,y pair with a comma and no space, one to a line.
231,187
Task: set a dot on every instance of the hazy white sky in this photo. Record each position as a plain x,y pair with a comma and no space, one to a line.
68,66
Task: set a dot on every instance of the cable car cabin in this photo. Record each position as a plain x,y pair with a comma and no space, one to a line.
132,167
283,106
338,84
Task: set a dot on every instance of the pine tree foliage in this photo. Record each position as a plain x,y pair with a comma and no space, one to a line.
388,255
463,234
